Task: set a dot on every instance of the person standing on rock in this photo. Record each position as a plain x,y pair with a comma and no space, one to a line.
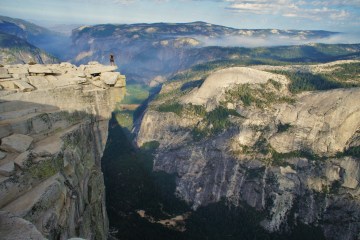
112,61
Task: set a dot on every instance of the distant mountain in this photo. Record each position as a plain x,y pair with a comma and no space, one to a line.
195,29
23,29
152,51
53,42
14,50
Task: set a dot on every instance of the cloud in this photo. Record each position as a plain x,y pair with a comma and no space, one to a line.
126,2
123,1
250,41
314,10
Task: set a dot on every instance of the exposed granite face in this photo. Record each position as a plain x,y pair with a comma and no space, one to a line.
53,129
300,173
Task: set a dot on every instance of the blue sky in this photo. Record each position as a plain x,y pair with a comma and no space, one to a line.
333,15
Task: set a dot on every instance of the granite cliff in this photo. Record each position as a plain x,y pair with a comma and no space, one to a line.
244,135
53,130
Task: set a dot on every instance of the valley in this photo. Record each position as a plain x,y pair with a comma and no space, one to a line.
240,162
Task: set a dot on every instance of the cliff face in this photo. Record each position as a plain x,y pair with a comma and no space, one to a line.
53,129
292,158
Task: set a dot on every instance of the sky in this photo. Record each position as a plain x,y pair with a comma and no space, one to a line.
331,15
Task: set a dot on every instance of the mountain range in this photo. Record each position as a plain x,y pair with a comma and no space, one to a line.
155,51
151,53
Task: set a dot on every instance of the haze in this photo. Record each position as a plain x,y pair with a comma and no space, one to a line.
332,15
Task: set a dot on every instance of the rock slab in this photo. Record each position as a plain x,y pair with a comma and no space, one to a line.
12,227
16,143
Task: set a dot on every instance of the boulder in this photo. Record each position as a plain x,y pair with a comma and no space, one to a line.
100,84
3,75
333,173
287,170
20,76
8,83
80,80
40,82
95,69
3,71
16,143
39,69
12,227
24,86
81,75
2,155
18,70
7,169
22,159
110,78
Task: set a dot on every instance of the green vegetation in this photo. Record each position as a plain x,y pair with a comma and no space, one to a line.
197,110
308,82
272,157
125,118
73,117
214,122
344,76
283,127
276,84
260,95
351,151
136,94
255,173
46,168
176,108
180,109
346,70
150,146
335,187
126,111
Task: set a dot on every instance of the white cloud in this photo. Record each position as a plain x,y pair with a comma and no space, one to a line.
274,40
315,10
123,1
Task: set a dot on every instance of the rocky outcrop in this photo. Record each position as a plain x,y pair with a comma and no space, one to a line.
291,161
215,85
53,130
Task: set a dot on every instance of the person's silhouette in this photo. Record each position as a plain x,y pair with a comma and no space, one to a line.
112,61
